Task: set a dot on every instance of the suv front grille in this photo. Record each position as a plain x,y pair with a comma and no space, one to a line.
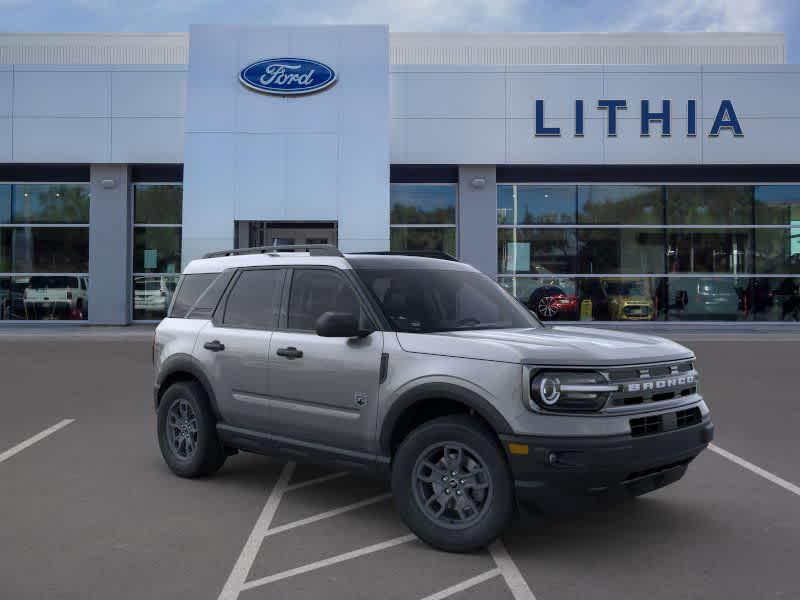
667,422
652,383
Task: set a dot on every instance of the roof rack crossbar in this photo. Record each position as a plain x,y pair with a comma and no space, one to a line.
312,249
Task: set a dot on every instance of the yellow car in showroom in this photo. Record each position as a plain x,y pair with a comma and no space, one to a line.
628,299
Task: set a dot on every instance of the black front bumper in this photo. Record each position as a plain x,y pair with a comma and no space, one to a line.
608,466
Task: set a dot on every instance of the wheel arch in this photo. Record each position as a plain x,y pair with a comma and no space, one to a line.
182,367
411,410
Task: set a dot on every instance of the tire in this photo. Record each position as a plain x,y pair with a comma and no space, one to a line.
191,448
419,491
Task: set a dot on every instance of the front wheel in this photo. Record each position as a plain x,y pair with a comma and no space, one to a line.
187,431
452,485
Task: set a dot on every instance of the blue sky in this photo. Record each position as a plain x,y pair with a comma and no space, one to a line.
414,15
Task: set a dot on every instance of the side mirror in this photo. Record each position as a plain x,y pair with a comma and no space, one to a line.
339,324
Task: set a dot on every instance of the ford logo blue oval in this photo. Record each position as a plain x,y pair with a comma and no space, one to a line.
287,76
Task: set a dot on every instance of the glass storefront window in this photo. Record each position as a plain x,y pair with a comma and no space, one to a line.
775,299
423,204
708,299
157,250
422,239
535,204
432,205
152,295
777,205
710,251
44,251
621,251
158,204
778,250
538,251
44,297
549,298
724,252
709,205
44,204
620,205
157,214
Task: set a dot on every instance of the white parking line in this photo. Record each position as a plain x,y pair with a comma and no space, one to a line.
235,584
756,469
310,482
327,514
33,439
464,585
510,572
329,561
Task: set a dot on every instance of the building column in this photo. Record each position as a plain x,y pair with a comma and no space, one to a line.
477,217
109,245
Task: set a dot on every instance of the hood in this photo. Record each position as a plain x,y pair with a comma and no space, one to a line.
579,346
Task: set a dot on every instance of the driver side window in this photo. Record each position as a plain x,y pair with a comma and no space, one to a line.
317,291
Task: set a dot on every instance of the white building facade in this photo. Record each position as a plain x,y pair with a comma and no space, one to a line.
635,177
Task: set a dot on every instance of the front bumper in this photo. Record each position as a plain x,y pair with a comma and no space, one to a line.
610,466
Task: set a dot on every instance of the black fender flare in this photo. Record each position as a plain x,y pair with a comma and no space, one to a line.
436,390
185,363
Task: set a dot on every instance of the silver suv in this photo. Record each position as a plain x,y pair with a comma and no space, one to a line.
421,370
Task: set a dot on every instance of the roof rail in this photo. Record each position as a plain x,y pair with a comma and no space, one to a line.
312,249
423,253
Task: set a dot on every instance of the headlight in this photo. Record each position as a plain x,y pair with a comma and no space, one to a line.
570,391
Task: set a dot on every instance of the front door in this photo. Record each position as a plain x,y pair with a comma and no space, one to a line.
324,390
234,346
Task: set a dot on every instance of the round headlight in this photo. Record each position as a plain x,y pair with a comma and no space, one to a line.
570,390
549,390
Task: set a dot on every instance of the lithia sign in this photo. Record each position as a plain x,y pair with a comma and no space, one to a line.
726,119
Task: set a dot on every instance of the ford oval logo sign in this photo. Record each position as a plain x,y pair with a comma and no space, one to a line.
287,76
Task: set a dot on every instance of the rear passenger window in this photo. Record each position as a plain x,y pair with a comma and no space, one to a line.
190,289
207,302
253,301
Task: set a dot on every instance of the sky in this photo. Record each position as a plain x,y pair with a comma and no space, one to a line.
414,15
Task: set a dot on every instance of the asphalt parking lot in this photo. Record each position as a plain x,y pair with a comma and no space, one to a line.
89,510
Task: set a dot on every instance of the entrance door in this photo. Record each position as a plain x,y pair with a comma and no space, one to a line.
253,234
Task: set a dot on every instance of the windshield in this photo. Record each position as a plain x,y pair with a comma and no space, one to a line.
627,288
434,300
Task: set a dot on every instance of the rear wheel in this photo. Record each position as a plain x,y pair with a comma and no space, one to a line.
452,485
187,431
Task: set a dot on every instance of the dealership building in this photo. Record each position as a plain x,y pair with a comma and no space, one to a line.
598,177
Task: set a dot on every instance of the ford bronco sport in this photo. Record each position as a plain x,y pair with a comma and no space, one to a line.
422,370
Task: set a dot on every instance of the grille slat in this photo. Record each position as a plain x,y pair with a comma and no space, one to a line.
653,424
651,382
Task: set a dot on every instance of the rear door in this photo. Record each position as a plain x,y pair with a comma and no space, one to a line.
324,390
233,346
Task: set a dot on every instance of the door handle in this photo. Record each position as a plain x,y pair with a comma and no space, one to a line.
215,346
291,352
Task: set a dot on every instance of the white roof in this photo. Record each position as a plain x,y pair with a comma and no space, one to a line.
220,263
528,48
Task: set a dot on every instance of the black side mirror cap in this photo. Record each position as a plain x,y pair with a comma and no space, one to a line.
339,324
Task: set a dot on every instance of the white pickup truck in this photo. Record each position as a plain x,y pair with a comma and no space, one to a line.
56,296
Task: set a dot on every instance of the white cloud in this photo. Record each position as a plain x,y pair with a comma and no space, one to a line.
417,15
704,15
